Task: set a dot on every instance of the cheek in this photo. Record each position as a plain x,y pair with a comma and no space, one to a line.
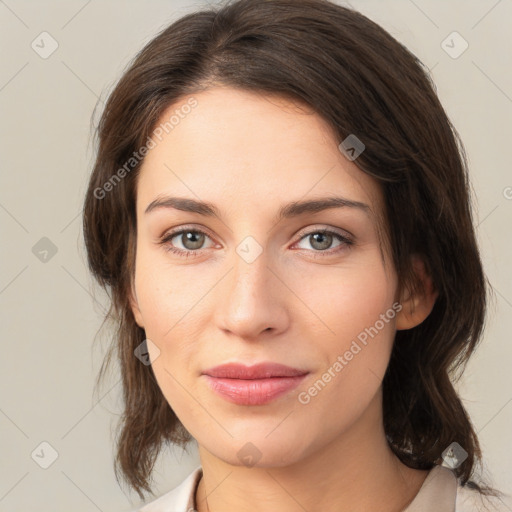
163,302
169,300
356,307
349,299
163,295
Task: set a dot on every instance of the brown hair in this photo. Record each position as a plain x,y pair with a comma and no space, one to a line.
361,81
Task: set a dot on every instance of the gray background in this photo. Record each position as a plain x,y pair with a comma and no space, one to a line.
50,309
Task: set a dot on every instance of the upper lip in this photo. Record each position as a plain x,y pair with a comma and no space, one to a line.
257,371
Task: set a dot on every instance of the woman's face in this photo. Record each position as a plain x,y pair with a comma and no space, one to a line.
251,288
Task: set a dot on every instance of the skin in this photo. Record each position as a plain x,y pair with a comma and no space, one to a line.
249,154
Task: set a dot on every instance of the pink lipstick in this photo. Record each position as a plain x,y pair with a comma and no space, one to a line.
253,385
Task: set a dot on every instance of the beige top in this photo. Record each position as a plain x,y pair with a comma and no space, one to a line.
440,492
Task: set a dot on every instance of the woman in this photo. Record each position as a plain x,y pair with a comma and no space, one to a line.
280,209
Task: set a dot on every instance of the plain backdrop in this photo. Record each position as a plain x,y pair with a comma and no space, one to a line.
50,309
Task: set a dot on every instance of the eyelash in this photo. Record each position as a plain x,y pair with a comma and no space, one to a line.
348,242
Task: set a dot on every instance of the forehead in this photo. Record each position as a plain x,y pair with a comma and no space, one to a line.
247,150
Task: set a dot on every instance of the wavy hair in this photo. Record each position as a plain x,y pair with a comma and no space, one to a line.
362,81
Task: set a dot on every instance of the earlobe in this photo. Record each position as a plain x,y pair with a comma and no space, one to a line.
417,307
135,308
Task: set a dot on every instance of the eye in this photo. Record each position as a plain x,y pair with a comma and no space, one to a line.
321,240
191,240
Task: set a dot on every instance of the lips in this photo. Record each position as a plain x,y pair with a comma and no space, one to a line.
258,371
253,385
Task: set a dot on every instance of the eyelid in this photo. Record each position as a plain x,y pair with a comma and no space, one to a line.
300,234
170,234
329,229
346,238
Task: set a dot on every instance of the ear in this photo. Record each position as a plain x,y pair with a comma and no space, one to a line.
135,307
417,307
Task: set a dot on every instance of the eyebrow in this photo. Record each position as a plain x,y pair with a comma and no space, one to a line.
292,209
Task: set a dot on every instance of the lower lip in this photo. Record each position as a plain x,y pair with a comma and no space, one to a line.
254,391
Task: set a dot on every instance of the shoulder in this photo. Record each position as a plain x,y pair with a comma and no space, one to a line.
179,499
470,500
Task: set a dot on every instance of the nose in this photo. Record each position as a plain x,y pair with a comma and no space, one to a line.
252,299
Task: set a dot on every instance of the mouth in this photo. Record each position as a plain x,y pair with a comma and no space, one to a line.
253,385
